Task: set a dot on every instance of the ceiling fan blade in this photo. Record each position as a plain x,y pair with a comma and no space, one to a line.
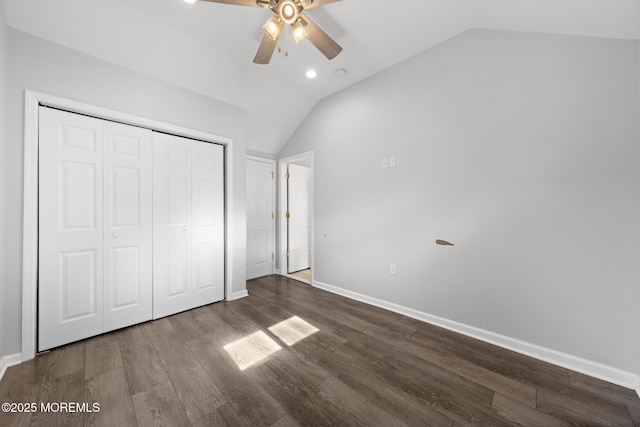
266,49
251,3
320,39
307,4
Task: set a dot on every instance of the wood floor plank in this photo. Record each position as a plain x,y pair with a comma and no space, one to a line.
299,398
463,400
186,327
111,391
358,410
66,360
582,408
410,368
318,318
159,406
286,421
223,416
197,392
523,393
102,354
522,415
159,326
612,391
213,325
634,412
250,401
354,371
507,363
54,391
20,384
141,364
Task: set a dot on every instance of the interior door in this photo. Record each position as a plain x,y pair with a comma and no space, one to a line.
299,221
171,224
128,287
207,222
188,224
70,252
260,218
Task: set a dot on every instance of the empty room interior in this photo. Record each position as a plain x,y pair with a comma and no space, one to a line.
320,212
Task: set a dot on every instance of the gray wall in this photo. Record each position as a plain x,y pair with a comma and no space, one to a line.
523,150
45,67
4,68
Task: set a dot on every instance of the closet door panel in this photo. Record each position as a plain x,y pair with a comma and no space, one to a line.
70,275
128,287
171,225
208,222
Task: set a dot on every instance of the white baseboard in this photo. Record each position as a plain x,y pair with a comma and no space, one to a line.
9,361
568,361
238,295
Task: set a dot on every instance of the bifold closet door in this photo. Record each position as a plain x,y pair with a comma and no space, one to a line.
188,228
95,229
128,226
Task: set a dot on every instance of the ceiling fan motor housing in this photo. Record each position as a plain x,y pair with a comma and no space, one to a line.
289,11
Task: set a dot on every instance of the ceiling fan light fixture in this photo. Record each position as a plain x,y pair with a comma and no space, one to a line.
288,11
265,4
273,27
298,31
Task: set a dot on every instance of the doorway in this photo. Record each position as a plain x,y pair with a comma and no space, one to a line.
295,241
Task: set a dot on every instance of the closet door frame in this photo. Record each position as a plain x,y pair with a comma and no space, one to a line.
35,99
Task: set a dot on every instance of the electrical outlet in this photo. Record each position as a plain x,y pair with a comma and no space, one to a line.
392,162
392,269
385,163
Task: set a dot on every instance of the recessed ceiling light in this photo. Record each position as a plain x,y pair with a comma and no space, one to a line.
190,1
311,74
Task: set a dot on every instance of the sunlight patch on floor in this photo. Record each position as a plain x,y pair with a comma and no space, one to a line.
252,349
292,330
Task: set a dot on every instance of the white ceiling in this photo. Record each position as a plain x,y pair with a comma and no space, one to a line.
209,47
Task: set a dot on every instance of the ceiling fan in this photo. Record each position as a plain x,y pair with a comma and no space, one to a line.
289,12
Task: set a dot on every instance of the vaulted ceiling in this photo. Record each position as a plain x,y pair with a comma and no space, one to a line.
209,47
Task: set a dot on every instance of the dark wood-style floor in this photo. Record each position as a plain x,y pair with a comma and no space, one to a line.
363,366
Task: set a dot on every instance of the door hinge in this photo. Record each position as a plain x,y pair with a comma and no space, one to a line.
287,175
288,254
273,175
287,215
273,215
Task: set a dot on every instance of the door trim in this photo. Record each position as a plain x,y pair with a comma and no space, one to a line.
274,240
30,204
282,209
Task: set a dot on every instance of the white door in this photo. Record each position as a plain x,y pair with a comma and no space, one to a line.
171,225
128,248
94,227
70,252
260,218
188,224
207,222
299,222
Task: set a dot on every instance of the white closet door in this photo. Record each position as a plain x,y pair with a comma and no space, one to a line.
260,218
128,259
70,226
207,222
188,224
171,224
